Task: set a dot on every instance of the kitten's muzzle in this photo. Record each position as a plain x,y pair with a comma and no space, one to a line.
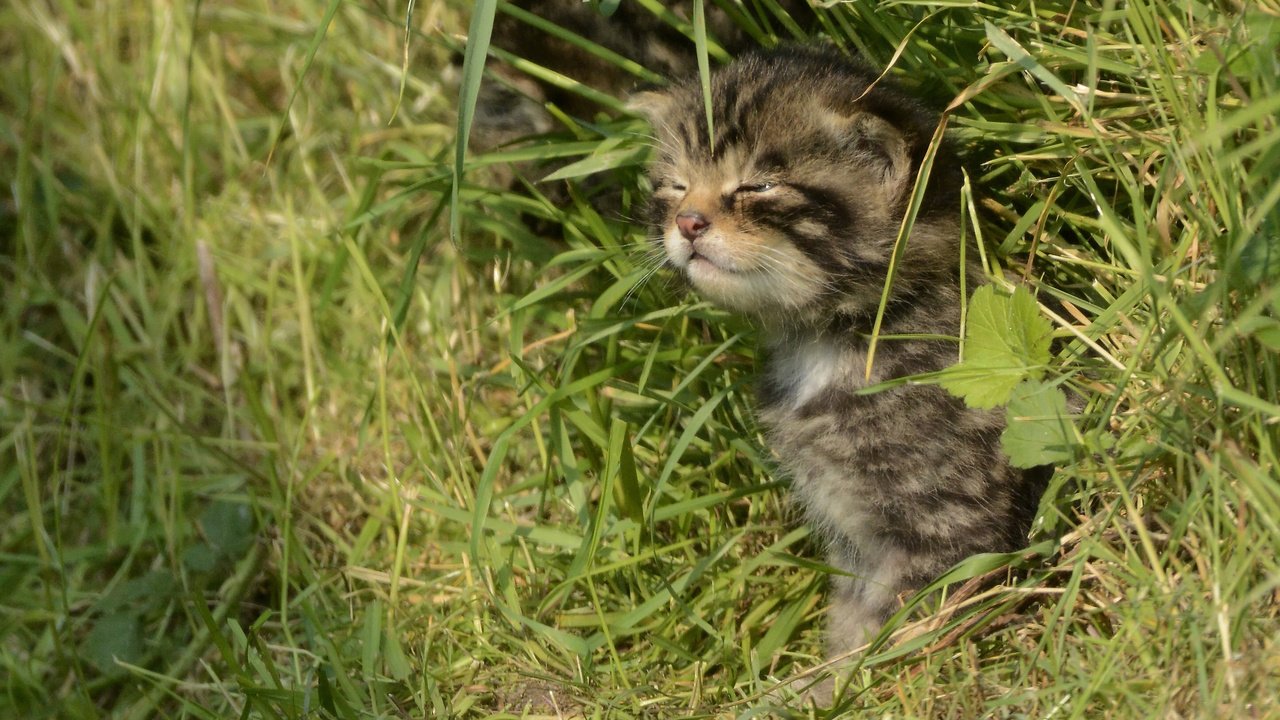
692,224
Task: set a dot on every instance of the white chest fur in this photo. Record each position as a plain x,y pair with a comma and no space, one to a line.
804,370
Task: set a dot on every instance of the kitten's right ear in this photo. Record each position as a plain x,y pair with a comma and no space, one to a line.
652,105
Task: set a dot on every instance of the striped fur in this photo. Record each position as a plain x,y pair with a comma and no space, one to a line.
790,212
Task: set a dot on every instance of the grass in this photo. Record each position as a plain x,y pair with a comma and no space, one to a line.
271,445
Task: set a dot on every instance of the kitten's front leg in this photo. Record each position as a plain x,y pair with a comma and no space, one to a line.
858,610
860,603
859,607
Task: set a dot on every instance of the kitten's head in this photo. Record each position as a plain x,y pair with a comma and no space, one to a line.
791,210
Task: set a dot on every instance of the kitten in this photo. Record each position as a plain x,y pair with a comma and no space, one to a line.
789,215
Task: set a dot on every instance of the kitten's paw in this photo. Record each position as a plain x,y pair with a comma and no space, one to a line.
819,687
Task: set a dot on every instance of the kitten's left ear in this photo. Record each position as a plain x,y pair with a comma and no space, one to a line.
652,105
880,142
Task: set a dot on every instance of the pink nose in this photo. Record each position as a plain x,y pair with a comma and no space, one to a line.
692,224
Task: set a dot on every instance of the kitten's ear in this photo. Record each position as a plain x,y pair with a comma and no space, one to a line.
880,142
652,105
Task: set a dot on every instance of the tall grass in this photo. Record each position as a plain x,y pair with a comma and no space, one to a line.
273,446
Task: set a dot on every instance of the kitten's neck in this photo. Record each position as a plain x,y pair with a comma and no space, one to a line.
807,360
921,306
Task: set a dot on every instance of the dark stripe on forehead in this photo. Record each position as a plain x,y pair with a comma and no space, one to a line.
749,102
771,160
736,103
686,137
693,131
724,99
728,134
730,125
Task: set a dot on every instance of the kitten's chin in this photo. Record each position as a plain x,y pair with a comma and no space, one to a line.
731,276
740,291
702,269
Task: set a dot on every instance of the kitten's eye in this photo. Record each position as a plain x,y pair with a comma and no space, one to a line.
678,187
756,187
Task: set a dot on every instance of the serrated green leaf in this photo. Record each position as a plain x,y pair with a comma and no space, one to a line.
1006,342
981,387
1038,430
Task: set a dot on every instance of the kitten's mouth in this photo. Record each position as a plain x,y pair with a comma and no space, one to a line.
701,268
698,257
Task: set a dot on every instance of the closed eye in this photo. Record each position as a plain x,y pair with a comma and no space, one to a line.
756,187
678,187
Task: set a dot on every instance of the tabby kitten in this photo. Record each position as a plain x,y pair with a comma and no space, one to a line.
789,215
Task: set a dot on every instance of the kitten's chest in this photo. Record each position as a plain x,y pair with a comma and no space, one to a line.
842,450
798,374
815,420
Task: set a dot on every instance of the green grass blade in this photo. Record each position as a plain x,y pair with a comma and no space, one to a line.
473,58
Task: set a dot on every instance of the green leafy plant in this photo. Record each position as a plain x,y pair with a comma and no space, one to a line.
1006,343
1006,354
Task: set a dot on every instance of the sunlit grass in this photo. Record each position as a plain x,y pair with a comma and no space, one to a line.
272,444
